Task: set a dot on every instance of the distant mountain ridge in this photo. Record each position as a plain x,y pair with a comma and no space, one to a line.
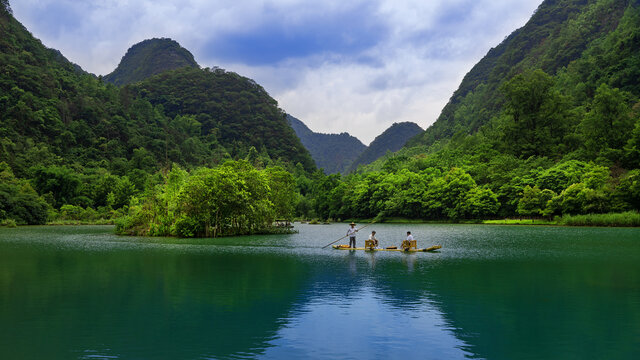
391,140
150,57
332,152
343,153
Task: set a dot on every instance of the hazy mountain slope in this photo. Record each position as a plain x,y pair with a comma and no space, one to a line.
150,57
332,152
391,140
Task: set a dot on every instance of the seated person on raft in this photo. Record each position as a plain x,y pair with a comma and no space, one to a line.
409,242
372,243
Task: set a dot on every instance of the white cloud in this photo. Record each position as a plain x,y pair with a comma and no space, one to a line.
407,74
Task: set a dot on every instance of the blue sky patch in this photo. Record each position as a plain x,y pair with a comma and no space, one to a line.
55,17
347,33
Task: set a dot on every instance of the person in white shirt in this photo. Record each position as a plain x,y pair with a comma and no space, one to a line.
372,237
409,236
407,243
351,233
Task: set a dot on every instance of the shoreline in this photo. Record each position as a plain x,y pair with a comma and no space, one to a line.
622,219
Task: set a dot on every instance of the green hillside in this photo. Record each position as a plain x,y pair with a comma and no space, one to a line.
150,57
587,43
72,142
221,105
332,152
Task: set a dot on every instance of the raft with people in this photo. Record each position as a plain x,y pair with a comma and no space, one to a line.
408,245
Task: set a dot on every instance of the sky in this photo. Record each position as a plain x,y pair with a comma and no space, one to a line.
338,65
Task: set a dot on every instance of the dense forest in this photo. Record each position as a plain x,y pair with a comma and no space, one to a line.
547,124
222,107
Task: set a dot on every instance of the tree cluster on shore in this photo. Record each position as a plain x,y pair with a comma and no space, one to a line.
232,199
499,188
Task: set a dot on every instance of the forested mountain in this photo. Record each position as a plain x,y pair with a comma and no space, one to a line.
332,152
222,107
584,43
390,140
547,124
150,57
70,139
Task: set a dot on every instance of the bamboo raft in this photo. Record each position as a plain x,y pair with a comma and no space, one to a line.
346,247
406,247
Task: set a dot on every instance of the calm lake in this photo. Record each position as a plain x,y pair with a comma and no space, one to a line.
491,292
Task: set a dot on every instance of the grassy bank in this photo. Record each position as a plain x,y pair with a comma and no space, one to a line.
12,223
520,222
82,222
625,219
397,220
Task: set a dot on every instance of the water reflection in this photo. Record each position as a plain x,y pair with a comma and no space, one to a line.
409,260
142,305
381,332
372,260
352,262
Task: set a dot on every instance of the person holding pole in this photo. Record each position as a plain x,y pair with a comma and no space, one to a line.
351,233
352,230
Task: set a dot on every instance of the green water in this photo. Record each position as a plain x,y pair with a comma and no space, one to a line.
492,292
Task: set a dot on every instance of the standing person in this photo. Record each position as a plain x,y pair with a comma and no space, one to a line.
351,233
372,237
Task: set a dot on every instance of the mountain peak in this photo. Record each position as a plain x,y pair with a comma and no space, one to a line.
150,57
